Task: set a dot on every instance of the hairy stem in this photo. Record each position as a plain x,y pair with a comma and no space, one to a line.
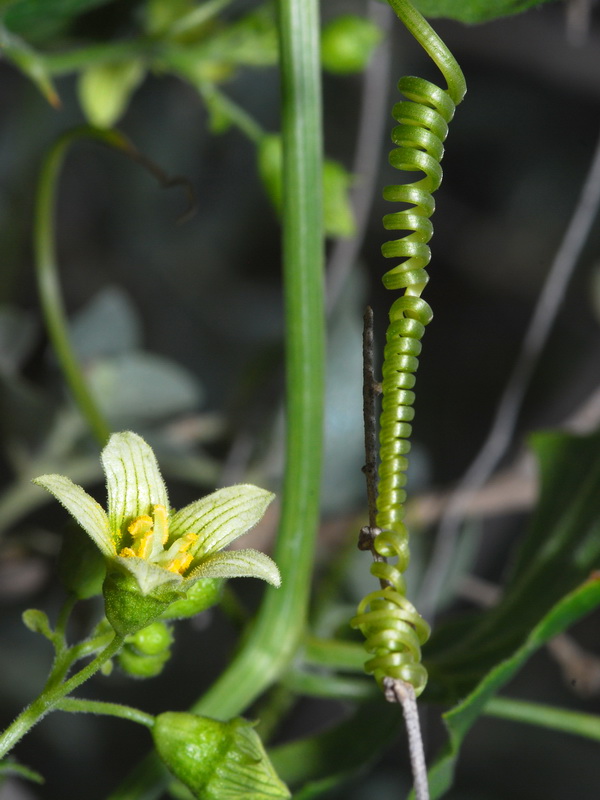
49,698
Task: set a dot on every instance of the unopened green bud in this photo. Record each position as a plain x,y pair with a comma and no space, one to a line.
81,566
37,622
105,90
151,640
138,665
217,760
347,43
201,595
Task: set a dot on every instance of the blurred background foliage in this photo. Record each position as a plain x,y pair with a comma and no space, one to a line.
179,326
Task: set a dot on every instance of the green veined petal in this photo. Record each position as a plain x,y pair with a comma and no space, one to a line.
86,511
133,480
220,517
237,564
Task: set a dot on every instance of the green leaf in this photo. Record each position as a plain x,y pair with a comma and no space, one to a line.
251,41
238,564
30,63
559,552
220,517
105,89
86,511
474,10
557,719
133,480
461,718
39,19
137,388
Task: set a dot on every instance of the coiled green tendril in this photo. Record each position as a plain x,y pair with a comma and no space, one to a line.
393,629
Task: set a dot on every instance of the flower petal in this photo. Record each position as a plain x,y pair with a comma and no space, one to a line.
88,513
220,517
133,480
237,564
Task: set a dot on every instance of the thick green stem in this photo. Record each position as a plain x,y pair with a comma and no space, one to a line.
49,698
280,623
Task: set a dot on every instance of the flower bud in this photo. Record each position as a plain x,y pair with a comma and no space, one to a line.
151,640
216,759
138,665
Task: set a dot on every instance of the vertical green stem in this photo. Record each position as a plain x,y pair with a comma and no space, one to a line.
281,620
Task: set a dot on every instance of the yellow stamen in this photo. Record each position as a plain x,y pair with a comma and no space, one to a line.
178,559
144,530
141,530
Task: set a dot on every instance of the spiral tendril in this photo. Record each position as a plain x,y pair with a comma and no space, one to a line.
393,628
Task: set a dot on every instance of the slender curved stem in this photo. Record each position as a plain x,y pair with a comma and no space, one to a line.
49,698
47,271
79,705
237,115
48,282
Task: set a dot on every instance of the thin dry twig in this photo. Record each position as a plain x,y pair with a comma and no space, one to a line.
503,426
367,156
397,691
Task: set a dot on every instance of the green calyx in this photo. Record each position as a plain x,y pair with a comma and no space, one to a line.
127,607
217,760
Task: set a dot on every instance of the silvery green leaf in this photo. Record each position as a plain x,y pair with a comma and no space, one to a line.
220,517
237,564
133,480
108,325
136,387
87,512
